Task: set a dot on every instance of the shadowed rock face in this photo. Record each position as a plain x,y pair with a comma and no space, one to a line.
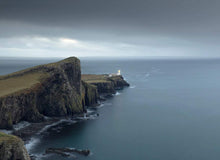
104,83
89,94
53,90
56,93
12,148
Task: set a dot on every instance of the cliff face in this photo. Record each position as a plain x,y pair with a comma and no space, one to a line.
55,91
89,94
104,83
17,107
12,148
60,93
118,82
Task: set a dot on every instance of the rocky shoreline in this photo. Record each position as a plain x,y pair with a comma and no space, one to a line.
47,94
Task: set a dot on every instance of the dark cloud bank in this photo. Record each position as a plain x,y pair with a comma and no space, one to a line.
125,27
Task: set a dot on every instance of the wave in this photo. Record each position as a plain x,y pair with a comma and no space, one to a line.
16,127
56,123
90,111
117,94
31,143
101,105
21,125
40,156
92,116
88,116
36,139
146,75
132,86
6,131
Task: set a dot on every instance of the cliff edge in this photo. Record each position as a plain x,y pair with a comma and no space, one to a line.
104,83
53,90
12,148
47,90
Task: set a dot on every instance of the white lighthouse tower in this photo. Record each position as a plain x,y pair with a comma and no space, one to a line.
119,72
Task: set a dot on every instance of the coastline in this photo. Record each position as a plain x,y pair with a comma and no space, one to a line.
32,133
80,93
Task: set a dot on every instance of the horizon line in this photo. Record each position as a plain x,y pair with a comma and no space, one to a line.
113,57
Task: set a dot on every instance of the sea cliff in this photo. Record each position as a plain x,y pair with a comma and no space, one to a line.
105,84
46,90
50,90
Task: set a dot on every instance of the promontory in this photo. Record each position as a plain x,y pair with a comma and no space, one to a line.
50,90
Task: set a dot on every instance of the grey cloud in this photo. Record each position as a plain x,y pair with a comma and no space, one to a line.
191,25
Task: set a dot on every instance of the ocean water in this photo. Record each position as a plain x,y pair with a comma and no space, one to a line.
171,111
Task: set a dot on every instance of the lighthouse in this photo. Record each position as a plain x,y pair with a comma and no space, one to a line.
115,74
119,73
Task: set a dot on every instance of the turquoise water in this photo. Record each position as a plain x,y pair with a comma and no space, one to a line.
170,112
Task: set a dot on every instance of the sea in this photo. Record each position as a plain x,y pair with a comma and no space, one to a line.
171,111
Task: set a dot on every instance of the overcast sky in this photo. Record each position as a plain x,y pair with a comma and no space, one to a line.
61,28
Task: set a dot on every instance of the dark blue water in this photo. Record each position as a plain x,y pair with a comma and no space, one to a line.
170,112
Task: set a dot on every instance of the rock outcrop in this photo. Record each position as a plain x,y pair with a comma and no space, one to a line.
52,90
104,83
89,94
12,148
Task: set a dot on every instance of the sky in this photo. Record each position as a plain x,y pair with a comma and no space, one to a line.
117,28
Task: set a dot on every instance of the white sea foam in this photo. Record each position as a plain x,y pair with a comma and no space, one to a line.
21,125
147,75
92,116
117,94
35,140
31,143
88,117
16,127
40,156
101,105
54,124
89,111
104,104
155,70
132,86
6,131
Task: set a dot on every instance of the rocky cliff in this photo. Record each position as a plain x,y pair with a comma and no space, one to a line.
89,94
12,148
104,83
53,90
46,90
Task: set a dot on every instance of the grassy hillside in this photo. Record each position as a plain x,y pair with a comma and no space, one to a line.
18,83
94,78
4,136
28,78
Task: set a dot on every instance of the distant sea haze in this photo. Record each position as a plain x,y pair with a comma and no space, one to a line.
171,111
